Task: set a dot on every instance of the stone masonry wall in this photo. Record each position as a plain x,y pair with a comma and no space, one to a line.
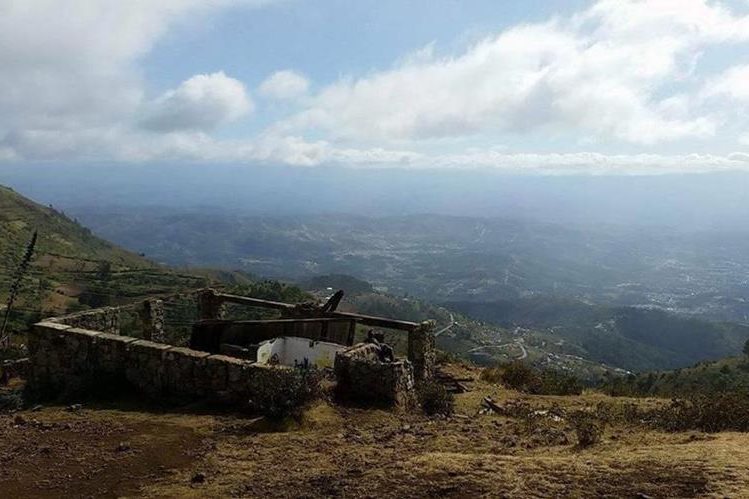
421,350
362,377
65,360
106,319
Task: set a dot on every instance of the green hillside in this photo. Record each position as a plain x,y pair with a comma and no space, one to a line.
632,338
730,374
59,236
71,268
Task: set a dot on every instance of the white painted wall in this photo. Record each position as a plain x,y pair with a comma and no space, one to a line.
290,351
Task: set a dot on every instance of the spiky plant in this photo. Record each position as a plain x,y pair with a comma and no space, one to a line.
15,287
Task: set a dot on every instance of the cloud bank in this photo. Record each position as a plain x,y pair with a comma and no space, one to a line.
623,78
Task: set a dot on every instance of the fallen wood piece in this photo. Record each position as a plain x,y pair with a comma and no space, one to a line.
491,404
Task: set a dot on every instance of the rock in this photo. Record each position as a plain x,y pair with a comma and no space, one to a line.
123,447
74,407
37,407
198,478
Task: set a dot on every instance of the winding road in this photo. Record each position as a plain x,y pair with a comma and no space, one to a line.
518,343
446,328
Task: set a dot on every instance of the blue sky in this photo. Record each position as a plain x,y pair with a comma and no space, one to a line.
607,86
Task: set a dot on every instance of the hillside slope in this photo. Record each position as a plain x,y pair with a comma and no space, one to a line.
59,236
71,268
632,338
730,374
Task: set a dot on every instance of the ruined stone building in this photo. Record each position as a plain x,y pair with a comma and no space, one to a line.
227,361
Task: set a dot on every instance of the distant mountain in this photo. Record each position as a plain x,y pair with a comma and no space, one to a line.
631,338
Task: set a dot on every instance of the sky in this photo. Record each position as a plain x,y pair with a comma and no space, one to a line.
550,87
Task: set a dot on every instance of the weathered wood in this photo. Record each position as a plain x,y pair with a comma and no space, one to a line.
489,403
255,302
369,320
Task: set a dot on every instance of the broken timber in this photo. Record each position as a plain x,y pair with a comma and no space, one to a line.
366,320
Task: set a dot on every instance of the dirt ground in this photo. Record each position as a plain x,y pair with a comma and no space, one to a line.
120,450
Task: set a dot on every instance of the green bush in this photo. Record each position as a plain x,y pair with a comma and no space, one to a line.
587,428
727,411
435,399
281,395
524,378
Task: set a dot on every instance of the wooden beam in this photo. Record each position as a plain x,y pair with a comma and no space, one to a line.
254,302
369,320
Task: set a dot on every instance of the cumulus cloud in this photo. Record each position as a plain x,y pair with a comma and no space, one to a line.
286,84
622,75
602,73
71,68
202,102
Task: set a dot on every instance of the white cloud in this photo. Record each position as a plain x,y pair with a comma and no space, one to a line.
72,67
733,83
202,102
601,73
286,84
621,72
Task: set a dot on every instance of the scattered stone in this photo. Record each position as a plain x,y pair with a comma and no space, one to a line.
123,447
37,408
74,407
198,478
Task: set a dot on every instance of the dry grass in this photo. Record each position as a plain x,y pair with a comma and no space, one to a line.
346,452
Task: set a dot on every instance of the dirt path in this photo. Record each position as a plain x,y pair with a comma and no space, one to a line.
56,453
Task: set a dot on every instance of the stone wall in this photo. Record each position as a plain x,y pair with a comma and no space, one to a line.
105,319
67,361
362,377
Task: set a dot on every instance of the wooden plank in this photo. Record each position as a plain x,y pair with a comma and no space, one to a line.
369,320
254,302
275,321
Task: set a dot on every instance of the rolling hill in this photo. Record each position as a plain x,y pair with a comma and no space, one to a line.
632,338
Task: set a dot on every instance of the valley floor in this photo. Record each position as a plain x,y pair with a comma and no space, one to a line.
131,450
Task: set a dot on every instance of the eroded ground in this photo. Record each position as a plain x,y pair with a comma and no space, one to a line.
348,452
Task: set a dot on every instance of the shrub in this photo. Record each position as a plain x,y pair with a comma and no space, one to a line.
11,401
710,413
445,357
587,428
435,399
524,378
521,377
286,395
559,383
